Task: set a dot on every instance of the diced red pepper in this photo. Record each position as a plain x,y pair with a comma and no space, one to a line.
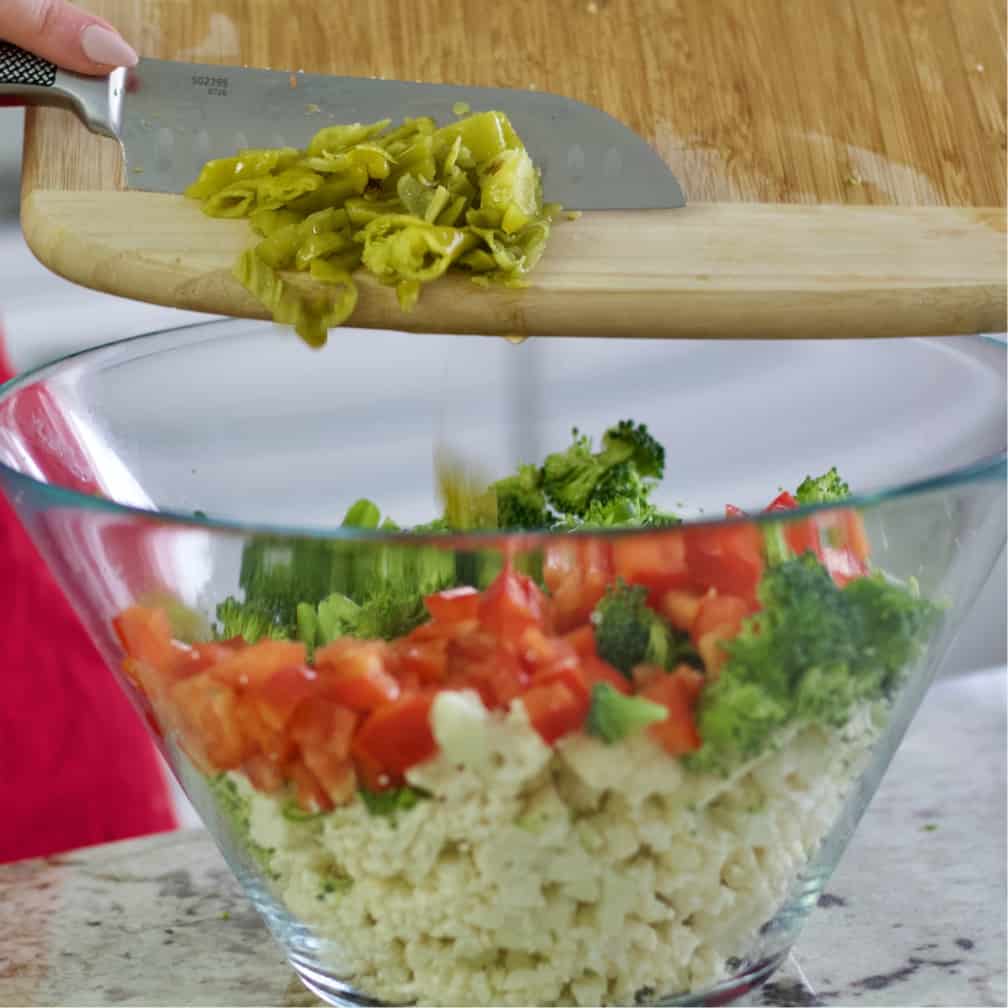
146,636
322,725
353,673
595,670
718,612
455,605
278,697
729,559
511,605
494,671
657,562
582,641
309,793
258,662
555,708
396,737
677,734
782,502
424,660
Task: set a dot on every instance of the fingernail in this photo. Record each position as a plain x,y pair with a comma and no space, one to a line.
106,47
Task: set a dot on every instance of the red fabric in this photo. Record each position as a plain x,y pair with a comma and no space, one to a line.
77,766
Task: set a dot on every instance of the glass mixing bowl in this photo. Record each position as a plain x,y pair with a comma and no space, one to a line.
593,767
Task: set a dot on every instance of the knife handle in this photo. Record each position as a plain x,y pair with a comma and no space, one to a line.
26,79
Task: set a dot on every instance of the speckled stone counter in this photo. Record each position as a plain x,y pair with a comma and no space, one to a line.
915,914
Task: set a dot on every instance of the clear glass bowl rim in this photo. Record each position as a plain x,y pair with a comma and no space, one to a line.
984,470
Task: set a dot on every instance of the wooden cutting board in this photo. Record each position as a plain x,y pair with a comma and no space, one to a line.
844,160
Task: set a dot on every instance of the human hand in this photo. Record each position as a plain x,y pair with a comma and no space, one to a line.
65,35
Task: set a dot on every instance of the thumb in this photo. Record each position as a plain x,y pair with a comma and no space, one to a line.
64,35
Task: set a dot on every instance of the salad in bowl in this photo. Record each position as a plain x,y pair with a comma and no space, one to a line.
530,731
587,766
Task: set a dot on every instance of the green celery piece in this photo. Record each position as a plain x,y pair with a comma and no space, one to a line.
337,617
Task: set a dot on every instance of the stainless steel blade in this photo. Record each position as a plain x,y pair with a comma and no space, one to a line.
174,117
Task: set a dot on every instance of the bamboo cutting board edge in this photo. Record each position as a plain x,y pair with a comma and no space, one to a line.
728,270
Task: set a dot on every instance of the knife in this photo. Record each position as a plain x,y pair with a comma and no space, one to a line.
171,118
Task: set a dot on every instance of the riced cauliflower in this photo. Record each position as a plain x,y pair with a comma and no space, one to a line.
580,874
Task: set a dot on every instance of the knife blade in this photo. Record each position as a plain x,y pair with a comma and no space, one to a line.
171,118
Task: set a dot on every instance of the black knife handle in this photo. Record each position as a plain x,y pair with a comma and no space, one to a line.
23,69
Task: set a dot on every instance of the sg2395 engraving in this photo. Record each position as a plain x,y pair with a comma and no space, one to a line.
213,85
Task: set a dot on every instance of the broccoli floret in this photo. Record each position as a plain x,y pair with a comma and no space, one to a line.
521,503
247,620
813,651
628,633
822,489
612,716
607,488
632,442
569,477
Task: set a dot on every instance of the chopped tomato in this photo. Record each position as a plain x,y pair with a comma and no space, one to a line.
555,708
273,743
803,537
432,631
711,650
396,737
658,562
308,790
729,559
680,608
203,656
350,656
582,641
336,776
718,612
569,674
782,502
537,651
456,605
424,661
857,536
595,670
493,670
259,662
354,673
146,636
691,680
511,605
559,561
677,734
733,512
323,732
325,726
278,697
265,774
642,675
209,720
362,691
370,771
845,551
577,591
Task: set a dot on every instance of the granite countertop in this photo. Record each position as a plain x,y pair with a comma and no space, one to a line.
915,914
